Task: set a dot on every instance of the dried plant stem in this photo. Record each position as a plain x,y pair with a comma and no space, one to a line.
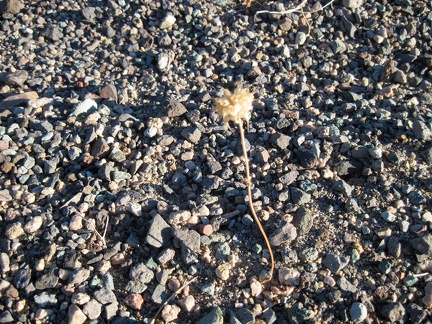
101,237
251,206
299,8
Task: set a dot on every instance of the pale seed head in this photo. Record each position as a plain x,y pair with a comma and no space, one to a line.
235,106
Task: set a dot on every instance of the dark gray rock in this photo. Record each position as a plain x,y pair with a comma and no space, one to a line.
175,108
423,244
280,140
53,32
289,178
334,262
307,159
190,242
99,148
42,125
140,272
13,7
159,232
299,197
297,314
349,167
6,317
269,316
285,233
427,155
213,165
47,281
394,247
16,79
360,152
245,315
343,187
223,250
105,296
394,312
416,198
421,130
191,134
22,278
214,317
303,220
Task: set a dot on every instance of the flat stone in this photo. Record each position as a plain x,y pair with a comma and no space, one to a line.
168,21
159,294
140,272
6,317
134,301
303,220
299,197
394,312
105,296
159,233
192,134
76,315
79,276
92,309
16,79
289,177
423,244
285,233
307,159
47,281
190,242
334,262
175,109
214,317
421,130
280,140
109,92
343,187
18,99
13,7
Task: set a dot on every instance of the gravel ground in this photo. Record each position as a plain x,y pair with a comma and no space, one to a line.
119,184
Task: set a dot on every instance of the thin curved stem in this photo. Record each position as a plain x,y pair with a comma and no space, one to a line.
251,206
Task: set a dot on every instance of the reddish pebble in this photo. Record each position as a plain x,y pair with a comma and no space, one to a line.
206,229
134,301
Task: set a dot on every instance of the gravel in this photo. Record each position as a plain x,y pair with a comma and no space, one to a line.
119,183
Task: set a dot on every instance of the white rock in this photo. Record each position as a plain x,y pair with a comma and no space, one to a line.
187,303
34,224
170,313
76,315
14,231
255,287
168,21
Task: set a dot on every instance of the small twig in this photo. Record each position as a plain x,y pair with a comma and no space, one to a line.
420,274
170,298
251,206
299,8
102,238
296,9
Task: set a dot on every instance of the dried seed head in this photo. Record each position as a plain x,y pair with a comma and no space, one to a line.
236,106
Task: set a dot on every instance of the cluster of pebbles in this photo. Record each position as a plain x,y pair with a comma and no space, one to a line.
119,185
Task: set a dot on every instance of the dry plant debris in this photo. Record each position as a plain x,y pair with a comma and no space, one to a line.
237,107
